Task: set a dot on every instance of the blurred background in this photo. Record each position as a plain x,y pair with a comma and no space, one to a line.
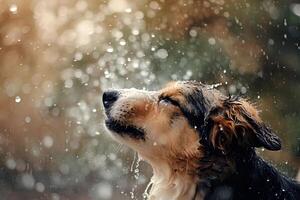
56,58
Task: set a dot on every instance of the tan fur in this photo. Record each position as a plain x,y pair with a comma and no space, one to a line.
171,150
171,146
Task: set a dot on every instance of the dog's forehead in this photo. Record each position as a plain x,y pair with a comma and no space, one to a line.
180,87
183,89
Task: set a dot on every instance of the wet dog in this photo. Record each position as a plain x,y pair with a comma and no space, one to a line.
200,143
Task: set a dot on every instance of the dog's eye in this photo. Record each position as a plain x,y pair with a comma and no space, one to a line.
168,101
164,101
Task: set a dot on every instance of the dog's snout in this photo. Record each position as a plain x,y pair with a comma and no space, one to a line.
109,97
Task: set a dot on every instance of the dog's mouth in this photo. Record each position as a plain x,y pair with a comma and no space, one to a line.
125,129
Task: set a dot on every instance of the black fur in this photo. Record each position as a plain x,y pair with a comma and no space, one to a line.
252,178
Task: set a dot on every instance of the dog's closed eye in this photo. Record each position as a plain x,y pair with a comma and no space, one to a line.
168,101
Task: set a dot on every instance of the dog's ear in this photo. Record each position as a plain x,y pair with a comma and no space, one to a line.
237,124
263,136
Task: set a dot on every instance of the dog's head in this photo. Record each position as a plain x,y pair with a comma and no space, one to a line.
185,122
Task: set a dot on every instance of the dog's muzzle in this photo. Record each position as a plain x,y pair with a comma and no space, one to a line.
109,98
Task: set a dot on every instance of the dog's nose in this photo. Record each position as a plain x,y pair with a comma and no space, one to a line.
109,97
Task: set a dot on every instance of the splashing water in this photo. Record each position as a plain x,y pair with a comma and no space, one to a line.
147,190
135,166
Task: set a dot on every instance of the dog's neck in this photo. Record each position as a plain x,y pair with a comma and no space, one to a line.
170,183
173,183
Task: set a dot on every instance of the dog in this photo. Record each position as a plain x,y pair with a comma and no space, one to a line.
199,142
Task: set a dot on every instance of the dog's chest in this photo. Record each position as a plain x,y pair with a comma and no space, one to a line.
177,189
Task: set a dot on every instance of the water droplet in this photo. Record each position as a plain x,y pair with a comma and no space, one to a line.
212,41
110,50
48,141
243,90
107,74
28,181
39,187
193,33
11,163
68,83
122,42
78,56
13,8
295,9
135,32
154,5
271,41
128,10
103,190
18,99
285,22
27,119
162,54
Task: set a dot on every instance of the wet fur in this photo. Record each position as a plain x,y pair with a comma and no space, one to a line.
200,143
